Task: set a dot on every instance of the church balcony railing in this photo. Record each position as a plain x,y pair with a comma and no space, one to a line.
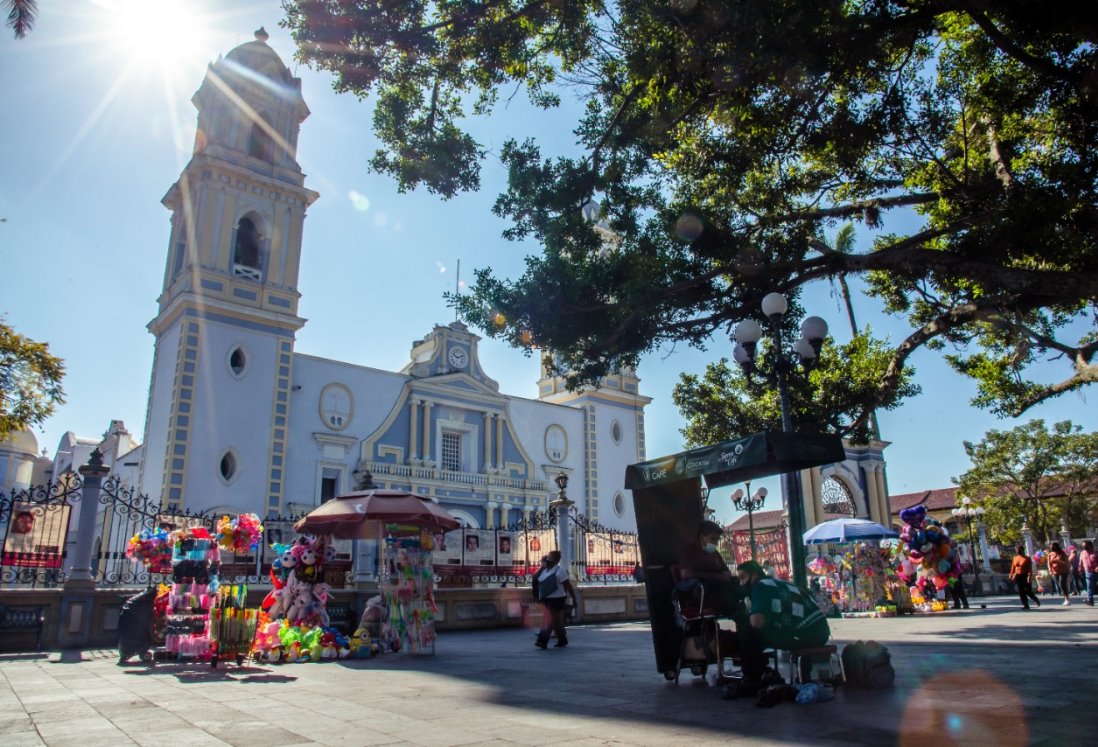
250,273
417,472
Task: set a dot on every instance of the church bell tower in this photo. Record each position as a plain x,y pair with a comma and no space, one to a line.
218,409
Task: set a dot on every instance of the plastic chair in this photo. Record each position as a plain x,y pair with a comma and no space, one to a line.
805,658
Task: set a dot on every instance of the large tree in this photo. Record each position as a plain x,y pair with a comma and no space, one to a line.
30,381
836,396
724,138
1035,475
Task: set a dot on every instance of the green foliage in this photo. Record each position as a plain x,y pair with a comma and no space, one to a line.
1031,474
836,397
30,381
725,138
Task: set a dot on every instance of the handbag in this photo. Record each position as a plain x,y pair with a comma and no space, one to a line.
547,586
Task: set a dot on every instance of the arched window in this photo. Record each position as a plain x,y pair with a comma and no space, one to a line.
837,498
227,466
247,251
238,361
260,144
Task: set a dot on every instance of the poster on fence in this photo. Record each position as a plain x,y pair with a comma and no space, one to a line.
769,545
612,555
36,535
479,547
448,547
532,545
505,550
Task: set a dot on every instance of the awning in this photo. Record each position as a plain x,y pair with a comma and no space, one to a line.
758,455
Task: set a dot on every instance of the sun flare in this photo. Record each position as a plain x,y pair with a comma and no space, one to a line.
167,33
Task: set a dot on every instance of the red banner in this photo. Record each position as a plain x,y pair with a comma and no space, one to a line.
769,545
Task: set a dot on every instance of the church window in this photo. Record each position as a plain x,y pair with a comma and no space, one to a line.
238,361
260,144
837,498
619,504
247,250
615,432
329,484
451,452
227,467
336,406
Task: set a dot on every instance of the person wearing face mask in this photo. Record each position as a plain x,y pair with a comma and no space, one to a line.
700,560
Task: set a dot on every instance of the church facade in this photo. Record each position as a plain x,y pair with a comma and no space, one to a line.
239,420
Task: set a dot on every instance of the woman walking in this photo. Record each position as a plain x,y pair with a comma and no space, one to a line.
553,587
1021,573
1088,565
1060,568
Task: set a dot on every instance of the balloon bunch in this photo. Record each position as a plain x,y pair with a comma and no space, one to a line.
822,565
241,534
153,549
931,564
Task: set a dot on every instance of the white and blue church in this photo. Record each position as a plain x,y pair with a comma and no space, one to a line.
239,420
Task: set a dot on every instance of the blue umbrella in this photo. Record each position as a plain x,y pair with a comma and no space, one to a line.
838,531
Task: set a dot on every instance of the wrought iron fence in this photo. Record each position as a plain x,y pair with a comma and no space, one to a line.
38,526
34,523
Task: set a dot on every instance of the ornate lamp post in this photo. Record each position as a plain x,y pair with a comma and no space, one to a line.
564,530
970,513
782,365
749,503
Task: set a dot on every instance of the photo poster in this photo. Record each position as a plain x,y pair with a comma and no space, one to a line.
507,552
36,535
448,546
532,545
769,545
479,547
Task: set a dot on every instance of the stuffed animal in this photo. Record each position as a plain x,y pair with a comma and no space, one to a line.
306,569
360,644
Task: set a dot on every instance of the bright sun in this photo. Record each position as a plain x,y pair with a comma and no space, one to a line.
164,32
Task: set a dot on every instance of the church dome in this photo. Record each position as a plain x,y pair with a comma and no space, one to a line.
21,442
259,57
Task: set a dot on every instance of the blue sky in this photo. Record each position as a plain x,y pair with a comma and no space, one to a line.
97,124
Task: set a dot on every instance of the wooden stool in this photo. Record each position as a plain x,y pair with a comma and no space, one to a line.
809,656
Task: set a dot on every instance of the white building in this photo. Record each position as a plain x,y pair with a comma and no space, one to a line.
239,420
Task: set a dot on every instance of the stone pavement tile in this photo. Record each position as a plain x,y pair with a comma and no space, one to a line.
64,712
17,724
190,737
89,734
244,733
435,734
23,739
339,734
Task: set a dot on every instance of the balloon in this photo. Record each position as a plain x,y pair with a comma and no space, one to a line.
944,550
914,515
940,582
915,555
943,566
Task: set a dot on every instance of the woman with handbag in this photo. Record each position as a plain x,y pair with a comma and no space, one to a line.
1060,568
554,587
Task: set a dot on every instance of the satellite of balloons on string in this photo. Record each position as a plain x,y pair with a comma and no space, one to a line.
931,563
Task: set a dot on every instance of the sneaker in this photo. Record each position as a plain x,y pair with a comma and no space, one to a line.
1038,601
541,644
561,643
1066,603
1089,603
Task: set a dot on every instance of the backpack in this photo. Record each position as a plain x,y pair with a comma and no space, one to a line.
868,665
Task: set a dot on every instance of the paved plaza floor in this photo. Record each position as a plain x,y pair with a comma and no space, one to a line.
983,676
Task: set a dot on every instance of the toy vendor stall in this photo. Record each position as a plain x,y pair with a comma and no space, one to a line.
404,524
668,503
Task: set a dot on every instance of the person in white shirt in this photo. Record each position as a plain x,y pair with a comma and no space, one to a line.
554,587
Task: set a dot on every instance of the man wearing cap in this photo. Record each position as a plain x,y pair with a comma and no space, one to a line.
781,616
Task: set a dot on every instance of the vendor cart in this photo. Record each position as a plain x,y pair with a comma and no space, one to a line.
901,597
232,626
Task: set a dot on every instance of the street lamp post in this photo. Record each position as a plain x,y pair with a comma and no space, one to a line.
971,513
806,350
749,503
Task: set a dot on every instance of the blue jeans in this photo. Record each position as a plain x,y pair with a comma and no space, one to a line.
1092,585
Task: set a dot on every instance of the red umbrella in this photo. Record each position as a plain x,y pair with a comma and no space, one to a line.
362,514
